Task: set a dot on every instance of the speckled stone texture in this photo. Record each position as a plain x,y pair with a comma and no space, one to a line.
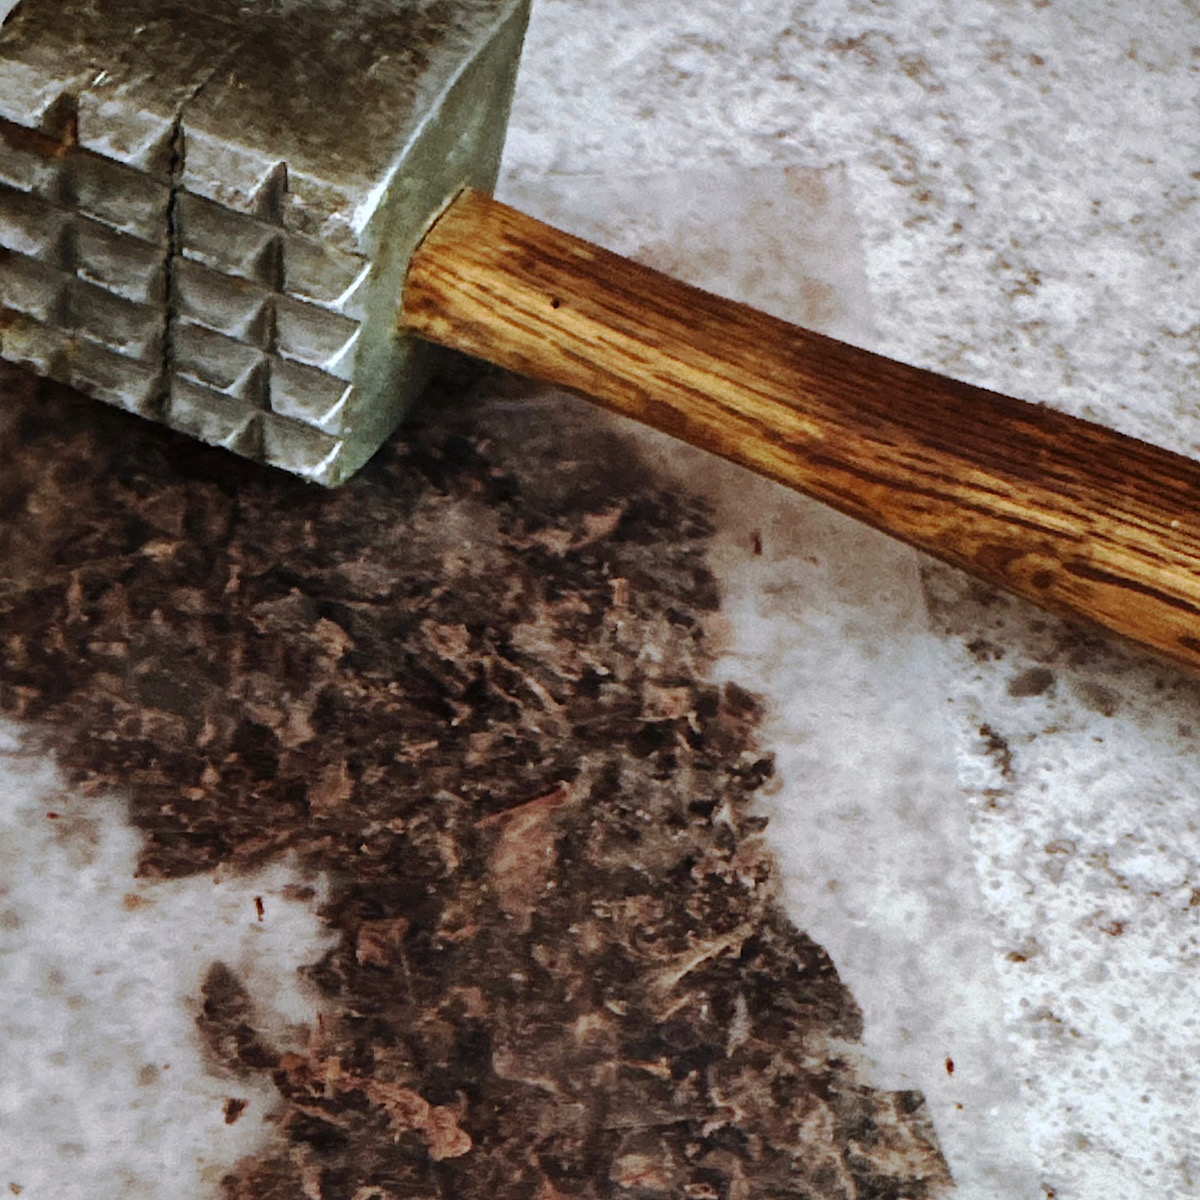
470,688
206,210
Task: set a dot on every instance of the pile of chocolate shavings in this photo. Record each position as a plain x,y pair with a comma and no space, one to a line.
472,687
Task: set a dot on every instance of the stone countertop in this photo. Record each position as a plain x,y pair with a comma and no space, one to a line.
983,815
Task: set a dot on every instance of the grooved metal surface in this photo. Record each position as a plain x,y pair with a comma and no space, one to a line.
206,210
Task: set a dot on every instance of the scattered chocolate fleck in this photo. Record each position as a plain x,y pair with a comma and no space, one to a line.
1061,846
259,907
1032,682
225,1023
949,1066
998,749
1097,697
472,688
234,1109
984,651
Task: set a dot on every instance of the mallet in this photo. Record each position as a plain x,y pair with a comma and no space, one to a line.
210,212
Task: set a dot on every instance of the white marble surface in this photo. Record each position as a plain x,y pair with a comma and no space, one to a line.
1022,179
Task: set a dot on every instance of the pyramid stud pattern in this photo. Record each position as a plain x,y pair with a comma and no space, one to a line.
206,209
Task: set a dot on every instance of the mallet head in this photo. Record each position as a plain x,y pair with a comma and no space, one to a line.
207,208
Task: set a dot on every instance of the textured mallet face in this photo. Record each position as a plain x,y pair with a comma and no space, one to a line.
207,206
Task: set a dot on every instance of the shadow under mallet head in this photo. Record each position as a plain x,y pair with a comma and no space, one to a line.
207,208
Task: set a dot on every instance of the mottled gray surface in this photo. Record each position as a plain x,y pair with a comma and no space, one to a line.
207,209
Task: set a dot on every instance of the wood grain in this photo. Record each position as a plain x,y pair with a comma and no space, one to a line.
1082,520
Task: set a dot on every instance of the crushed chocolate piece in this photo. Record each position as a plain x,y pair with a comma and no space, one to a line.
473,688
225,1024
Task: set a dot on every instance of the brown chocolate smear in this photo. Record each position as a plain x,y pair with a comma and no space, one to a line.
473,687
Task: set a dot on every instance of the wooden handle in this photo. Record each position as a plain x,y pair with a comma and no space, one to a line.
1081,520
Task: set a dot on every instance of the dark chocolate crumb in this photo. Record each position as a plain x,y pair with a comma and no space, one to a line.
998,750
225,1022
1032,682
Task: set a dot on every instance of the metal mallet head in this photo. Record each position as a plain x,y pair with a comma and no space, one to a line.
207,208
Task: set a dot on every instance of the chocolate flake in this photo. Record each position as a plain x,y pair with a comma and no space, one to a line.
225,1023
472,687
